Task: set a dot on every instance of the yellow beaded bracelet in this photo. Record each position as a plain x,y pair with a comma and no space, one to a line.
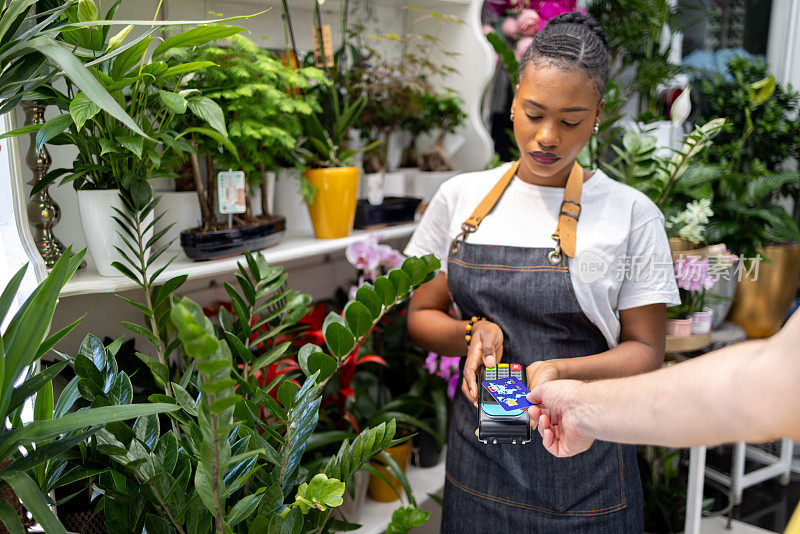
470,324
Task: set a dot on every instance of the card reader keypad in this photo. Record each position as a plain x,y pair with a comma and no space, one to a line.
504,370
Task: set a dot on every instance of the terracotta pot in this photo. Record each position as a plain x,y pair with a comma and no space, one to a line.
763,298
679,327
334,207
378,489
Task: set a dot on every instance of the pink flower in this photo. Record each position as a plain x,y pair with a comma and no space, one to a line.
691,273
487,29
550,9
510,27
452,384
528,22
431,363
522,46
363,255
389,257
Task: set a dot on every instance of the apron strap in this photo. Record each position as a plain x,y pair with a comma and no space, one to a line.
566,231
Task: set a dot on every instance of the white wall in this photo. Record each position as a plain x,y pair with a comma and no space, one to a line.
783,47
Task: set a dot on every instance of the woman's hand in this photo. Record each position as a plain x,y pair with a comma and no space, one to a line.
485,348
541,372
560,417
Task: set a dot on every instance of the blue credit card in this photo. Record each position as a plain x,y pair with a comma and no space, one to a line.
508,392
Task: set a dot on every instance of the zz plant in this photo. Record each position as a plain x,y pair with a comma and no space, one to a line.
233,459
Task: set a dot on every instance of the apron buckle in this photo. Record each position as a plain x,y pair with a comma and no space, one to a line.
466,229
554,257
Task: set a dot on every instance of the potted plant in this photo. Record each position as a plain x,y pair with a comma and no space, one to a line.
749,180
241,474
34,54
693,278
686,230
263,102
29,447
114,160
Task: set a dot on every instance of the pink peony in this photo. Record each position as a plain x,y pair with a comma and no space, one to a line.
528,22
522,46
510,27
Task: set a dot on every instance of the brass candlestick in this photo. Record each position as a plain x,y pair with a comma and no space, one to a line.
43,212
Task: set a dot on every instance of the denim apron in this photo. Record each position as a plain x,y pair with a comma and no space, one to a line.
523,488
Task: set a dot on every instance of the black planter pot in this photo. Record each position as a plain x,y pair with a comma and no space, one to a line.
225,243
393,210
426,451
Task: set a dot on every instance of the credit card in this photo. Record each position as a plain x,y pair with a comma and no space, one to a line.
508,392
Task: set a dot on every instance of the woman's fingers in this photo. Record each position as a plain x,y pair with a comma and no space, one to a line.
491,345
469,386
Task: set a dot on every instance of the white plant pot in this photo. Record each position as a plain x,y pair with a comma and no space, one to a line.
181,209
289,203
102,232
701,321
424,184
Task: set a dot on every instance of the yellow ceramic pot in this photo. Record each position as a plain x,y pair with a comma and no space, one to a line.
380,490
762,302
334,209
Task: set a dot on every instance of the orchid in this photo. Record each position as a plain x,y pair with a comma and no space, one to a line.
445,367
691,222
694,278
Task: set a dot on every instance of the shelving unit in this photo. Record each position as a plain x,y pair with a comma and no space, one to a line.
293,247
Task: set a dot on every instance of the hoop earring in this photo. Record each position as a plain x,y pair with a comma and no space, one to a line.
596,127
512,115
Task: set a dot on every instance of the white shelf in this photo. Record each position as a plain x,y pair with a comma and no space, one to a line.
375,516
293,247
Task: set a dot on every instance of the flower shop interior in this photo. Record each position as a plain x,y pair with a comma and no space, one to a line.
204,206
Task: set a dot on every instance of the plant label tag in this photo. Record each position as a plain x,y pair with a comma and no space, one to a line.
323,46
231,192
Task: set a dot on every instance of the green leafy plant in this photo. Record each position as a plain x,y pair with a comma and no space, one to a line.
668,181
447,114
263,102
636,30
748,160
111,154
236,463
52,431
34,52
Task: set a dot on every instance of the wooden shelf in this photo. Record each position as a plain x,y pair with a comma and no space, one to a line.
687,343
293,247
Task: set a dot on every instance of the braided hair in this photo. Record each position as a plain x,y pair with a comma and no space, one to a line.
568,41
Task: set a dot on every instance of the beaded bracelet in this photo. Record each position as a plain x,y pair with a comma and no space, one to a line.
470,323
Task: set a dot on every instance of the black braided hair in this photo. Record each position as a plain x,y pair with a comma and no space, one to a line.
571,40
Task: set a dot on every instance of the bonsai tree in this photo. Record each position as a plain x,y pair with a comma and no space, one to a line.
264,102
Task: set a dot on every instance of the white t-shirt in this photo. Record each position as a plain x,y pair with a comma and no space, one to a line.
622,257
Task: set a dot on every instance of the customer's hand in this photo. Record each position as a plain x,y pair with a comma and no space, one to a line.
485,348
559,416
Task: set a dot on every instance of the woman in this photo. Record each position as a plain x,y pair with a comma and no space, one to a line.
585,302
